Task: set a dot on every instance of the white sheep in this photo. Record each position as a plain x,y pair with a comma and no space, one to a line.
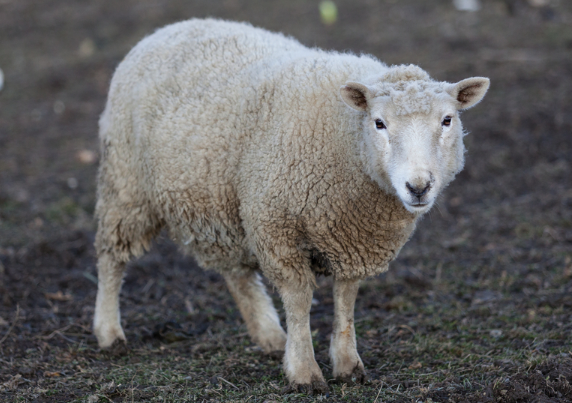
238,142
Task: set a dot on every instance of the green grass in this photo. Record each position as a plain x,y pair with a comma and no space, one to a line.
447,347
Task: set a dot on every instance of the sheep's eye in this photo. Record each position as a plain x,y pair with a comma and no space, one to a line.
379,125
447,121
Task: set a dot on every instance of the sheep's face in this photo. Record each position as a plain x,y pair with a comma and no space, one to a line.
412,142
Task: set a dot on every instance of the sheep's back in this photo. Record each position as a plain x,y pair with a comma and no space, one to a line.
171,129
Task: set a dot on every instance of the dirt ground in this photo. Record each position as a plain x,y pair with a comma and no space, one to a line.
477,308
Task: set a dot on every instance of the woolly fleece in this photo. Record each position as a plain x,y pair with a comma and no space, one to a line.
237,141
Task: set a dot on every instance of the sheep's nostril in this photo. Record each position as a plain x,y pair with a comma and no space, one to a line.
418,191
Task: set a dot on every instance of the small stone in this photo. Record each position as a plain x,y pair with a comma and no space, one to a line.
496,333
36,115
86,48
485,296
72,183
21,195
87,157
467,5
539,3
59,107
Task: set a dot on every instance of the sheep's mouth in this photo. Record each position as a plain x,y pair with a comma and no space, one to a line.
417,206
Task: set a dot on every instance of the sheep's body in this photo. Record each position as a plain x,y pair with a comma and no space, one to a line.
223,160
237,141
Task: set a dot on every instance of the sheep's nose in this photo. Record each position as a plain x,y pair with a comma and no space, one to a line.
418,191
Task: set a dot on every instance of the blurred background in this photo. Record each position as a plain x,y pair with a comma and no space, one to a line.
491,264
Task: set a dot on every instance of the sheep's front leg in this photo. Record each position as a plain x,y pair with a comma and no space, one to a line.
348,367
299,363
257,310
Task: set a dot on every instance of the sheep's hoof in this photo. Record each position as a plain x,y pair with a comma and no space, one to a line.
274,342
276,354
317,387
357,376
117,349
107,334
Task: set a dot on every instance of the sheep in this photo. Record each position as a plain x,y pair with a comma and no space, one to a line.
262,156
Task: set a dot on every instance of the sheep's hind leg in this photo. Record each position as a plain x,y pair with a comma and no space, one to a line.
300,366
107,321
348,367
122,233
257,310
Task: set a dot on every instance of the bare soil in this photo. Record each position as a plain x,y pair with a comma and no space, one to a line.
477,308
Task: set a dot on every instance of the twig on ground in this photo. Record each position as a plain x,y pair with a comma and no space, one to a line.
67,338
395,392
13,324
63,329
407,327
379,391
224,380
55,332
239,335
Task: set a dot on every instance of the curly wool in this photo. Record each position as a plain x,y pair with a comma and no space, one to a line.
410,88
236,140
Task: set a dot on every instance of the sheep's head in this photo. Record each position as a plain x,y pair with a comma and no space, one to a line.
412,135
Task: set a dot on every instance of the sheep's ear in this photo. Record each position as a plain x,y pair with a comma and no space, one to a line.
356,95
470,91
